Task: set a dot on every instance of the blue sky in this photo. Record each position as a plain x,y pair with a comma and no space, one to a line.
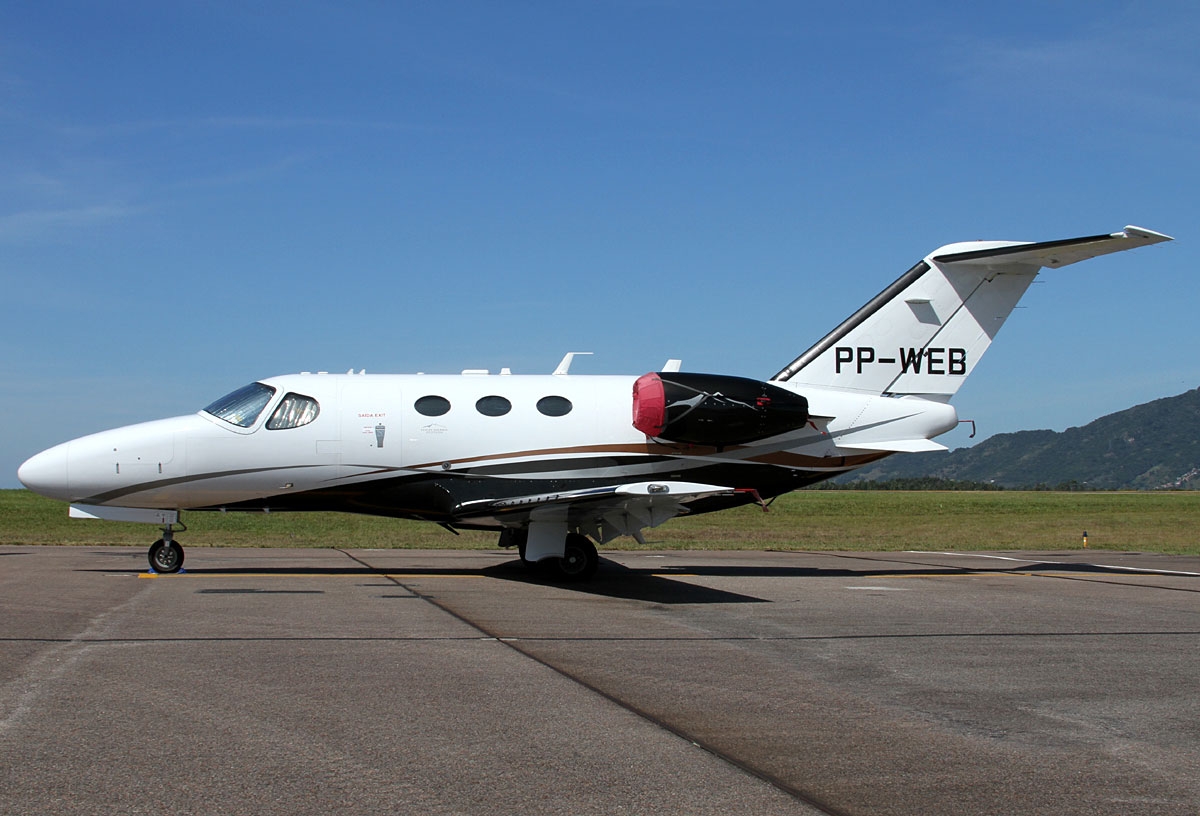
197,194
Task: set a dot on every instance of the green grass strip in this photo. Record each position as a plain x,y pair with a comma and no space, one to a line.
806,520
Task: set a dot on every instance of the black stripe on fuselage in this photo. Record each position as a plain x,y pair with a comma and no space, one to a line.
564,464
434,496
157,484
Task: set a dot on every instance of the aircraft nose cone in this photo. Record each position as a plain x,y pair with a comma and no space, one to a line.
46,473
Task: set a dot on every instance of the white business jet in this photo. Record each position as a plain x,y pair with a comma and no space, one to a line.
555,462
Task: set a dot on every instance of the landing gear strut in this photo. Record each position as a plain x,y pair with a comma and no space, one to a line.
166,555
516,537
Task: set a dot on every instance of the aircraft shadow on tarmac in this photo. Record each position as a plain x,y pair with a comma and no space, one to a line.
659,583
615,580
612,580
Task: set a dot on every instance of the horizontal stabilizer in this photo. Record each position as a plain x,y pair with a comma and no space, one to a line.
680,491
1054,254
896,446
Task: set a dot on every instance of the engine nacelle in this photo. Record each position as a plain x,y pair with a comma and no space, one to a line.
714,409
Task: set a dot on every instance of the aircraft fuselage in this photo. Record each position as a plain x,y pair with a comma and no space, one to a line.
428,446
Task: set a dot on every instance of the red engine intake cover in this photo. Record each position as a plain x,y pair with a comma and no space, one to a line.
649,405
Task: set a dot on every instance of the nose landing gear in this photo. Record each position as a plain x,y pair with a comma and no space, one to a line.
166,556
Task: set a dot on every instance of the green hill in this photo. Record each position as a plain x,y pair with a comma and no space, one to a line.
1154,446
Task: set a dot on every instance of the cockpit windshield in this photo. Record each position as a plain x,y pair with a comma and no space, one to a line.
243,406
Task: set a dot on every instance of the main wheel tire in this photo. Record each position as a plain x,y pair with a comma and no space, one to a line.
166,557
580,559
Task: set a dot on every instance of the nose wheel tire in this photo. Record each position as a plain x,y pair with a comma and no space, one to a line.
166,556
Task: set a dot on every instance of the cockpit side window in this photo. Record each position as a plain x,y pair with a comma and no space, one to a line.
294,410
243,406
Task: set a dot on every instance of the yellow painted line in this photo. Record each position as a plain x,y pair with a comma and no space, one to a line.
260,575
945,575
254,575
427,575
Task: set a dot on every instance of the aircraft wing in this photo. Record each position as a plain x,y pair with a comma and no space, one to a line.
602,512
1055,254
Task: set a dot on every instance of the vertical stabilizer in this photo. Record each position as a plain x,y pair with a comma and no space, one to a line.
927,331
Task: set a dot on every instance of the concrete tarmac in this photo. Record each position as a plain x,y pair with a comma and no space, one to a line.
456,682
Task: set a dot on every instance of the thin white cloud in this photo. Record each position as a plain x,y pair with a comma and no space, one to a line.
247,174
289,122
133,127
39,225
1114,65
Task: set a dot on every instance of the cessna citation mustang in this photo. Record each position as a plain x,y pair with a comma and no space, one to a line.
554,462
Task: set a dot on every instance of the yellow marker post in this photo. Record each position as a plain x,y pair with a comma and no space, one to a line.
1085,539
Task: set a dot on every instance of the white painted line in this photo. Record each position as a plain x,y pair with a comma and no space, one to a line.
979,555
1155,571
881,588
1062,563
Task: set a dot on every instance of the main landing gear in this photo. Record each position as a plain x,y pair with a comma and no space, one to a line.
166,556
578,561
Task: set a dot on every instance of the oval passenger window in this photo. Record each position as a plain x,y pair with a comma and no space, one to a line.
432,406
554,406
493,406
